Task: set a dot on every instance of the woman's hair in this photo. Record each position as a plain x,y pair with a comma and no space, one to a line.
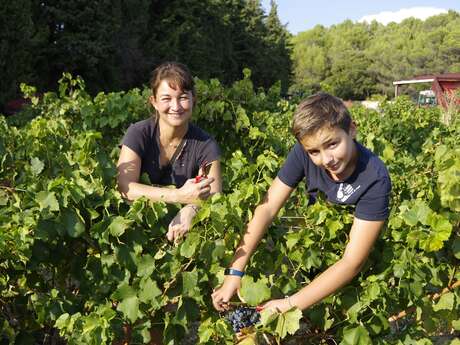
318,111
178,76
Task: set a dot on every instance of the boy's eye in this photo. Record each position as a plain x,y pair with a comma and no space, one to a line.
333,144
165,99
312,153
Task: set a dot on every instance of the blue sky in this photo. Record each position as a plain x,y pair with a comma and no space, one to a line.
301,15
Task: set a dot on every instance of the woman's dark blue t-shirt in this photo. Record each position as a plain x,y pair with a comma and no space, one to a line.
368,187
197,147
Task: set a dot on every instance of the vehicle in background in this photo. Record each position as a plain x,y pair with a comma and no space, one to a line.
426,98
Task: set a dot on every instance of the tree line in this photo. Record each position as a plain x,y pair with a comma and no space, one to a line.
358,60
114,44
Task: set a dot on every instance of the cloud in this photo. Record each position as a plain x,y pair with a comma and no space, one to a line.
398,16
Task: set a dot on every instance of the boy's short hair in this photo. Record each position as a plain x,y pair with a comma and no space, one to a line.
318,111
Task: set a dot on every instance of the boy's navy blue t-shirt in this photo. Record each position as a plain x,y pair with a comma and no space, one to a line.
368,187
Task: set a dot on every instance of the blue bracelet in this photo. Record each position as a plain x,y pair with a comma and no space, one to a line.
233,272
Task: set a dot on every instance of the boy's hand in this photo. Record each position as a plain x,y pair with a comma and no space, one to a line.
222,295
276,305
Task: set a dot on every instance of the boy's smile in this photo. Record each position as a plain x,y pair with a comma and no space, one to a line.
333,149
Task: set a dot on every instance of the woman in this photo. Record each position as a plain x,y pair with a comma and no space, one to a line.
171,150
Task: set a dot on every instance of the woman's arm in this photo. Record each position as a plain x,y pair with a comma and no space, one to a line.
129,167
216,174
275,198
363,235
182,222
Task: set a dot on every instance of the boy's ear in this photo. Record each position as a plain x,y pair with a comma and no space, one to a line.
353,129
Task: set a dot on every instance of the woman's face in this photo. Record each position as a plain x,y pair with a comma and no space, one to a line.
174,106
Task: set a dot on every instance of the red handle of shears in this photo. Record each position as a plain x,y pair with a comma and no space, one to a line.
204,168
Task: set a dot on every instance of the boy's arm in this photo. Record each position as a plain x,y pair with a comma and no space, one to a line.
363,235
275,198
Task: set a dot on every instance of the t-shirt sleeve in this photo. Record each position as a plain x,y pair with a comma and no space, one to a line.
374,204
134,139
209,152
292,171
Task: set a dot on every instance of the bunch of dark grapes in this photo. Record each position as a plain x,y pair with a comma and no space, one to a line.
243,317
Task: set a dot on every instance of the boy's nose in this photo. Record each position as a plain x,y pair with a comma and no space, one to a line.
326,159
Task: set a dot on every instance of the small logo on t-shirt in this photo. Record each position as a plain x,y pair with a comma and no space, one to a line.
345,191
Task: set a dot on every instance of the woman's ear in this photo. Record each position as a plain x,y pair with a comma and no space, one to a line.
153,102
353,129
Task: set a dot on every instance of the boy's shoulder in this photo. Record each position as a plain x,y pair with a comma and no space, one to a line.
369,164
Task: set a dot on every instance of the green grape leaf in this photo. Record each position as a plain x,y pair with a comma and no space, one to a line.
145,265
149,291
118,226
388,153
129,303
190,244
456,325
47,200
205,331
445,302
91,322
36,166
190,285
282,323
333,225
254,293
73,222
130,308
62,321
355,336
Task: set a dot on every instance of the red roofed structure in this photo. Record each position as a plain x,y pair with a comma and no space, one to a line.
441,84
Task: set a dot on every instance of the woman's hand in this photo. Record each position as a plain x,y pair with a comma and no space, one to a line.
191,191
223,294
181,223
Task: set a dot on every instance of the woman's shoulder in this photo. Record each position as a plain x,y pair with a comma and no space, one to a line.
198,134
144,125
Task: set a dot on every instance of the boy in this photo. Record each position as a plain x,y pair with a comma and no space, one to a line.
331,161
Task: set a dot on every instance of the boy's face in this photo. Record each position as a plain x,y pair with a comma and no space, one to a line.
333,149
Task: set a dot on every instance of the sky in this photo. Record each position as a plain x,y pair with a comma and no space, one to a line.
302,15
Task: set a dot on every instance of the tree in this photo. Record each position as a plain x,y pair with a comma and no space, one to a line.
18,40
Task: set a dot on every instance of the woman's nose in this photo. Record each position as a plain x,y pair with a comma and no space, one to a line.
175,104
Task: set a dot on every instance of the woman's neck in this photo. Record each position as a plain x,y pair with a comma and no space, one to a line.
171,136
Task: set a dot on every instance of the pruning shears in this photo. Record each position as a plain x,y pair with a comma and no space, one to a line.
205,167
